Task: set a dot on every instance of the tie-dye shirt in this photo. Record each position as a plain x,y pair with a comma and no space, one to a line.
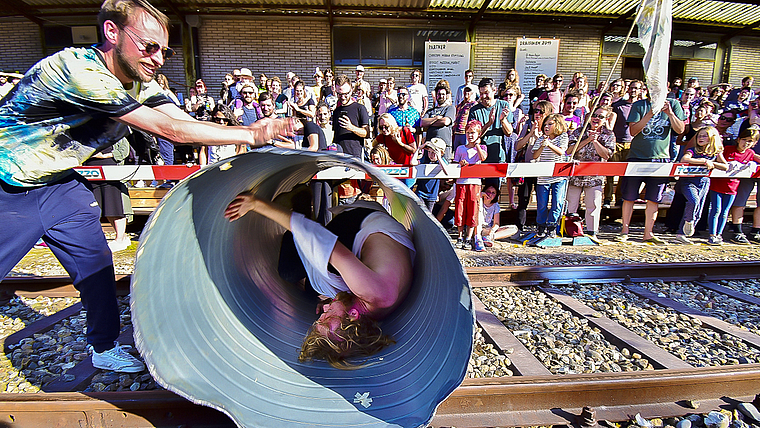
61,113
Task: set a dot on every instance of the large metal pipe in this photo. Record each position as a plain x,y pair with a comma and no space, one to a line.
217,325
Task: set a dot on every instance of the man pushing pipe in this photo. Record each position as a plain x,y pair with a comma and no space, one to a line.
69,106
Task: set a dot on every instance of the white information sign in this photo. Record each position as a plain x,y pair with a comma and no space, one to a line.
446,60
534,57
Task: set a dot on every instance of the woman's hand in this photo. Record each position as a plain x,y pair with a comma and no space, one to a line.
463,162
240,206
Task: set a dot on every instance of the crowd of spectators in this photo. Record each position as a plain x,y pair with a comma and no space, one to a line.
551,122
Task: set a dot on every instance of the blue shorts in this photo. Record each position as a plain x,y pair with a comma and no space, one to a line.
745,188
654,186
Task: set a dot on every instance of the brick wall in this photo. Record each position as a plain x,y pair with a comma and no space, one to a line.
607,63
495,48
293,45
21,47
744,56
702,70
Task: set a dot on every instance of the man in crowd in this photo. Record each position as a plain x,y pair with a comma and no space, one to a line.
650,143
262,83
496,117
438,120
418,94
568,111
468,76
85,98
540,88
553,92
404,113
250,111
359,82
350,119
622,109
323,120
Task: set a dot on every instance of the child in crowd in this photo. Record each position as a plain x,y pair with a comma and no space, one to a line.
379,155
746,185
490,217
708,151
550,147
468,189
723,190
432,152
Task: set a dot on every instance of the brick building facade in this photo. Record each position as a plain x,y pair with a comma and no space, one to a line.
300,45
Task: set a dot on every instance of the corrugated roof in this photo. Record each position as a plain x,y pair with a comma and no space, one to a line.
703,11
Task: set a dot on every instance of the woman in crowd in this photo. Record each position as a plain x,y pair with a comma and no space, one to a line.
201,104
596,145
222,115
328,95
606,100
280,99
513,80
399,141
550,147
301,106
388,98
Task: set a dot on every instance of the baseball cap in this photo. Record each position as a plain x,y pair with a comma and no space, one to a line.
359,68
436,144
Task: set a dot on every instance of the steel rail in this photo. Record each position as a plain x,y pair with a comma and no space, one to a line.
488,276
535,398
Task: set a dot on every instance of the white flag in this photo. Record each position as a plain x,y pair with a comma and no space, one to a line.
655,24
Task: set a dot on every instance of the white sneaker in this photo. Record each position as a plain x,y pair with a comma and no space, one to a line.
117,359
688,228
682,239
122,245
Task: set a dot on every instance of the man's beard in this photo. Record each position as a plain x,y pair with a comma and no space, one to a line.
130,70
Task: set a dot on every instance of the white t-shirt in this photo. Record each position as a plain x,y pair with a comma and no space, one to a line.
417,93
315,244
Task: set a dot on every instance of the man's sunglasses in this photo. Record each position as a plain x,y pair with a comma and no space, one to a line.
149,47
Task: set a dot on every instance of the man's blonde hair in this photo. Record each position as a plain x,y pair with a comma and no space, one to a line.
122,11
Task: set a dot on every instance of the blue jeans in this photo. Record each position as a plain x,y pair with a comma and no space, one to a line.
549,216
694,189
67,218
720,205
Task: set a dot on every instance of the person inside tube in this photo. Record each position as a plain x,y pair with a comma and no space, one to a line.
361,261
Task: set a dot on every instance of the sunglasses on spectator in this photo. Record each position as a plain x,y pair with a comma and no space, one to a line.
220,119
403,93
598,116
149,47
728,119
383,127
509,94
247,92
341,94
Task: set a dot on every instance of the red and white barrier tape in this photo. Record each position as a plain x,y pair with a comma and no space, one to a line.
512,170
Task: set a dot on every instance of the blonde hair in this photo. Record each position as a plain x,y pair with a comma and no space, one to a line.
382,151
359,338
389,120
560,125
121,12
714,142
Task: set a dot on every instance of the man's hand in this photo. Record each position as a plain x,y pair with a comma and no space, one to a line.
345,123
267,129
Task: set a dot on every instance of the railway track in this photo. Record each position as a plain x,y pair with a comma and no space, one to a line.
669,385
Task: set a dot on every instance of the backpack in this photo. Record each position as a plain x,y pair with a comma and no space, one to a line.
572,225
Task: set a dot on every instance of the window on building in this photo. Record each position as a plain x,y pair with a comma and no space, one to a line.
394,47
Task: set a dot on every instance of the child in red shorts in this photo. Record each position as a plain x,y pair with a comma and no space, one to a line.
468,189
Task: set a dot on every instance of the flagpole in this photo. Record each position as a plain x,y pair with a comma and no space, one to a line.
595,102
